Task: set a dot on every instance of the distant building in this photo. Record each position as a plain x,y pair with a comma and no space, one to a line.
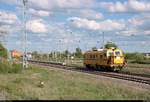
147,55
29,55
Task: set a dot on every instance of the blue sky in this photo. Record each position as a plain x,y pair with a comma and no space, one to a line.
66,24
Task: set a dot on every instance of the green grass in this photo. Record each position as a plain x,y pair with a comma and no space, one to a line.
143,69
59,84
7,67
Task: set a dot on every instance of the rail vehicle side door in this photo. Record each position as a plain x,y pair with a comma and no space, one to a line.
110,57
100,59
105,59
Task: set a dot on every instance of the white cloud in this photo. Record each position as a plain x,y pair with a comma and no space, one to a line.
74,3
54,4
106,25
10,1
4,29
135,21
130,5
20,43
137,25
8,17
118,6
147,32
40,13
90,14
84,23
139,5
37,26
8,22
128,32
109,25
43,13
131,30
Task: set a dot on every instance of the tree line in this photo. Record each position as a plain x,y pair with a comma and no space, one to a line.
78,54
57,55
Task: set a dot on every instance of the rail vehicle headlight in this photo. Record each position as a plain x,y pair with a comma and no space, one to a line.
117,57
64,63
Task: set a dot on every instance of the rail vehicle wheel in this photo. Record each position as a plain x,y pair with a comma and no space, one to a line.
88,67
120,68
100,68
97,67
117,69
105,68
110,69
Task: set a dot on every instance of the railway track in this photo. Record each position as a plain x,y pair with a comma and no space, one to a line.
129,77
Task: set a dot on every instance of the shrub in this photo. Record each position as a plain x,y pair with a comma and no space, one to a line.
141,61
6,67
137,58
16,68
134,56
3,51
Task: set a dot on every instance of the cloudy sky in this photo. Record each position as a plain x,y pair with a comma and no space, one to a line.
67,24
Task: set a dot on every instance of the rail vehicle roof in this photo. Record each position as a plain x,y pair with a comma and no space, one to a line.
102,50
96,51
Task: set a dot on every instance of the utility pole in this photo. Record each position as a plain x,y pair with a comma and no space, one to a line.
68,52
67,60
60,50
103,40
25,63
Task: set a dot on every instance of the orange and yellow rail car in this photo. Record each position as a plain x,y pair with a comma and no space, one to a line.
112,59
16,54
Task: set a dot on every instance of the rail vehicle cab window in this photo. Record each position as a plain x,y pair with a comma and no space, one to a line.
118,53
110,53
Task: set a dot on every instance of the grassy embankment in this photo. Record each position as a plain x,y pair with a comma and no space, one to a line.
59,84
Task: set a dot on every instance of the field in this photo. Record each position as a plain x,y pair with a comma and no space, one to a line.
143,69
60,84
